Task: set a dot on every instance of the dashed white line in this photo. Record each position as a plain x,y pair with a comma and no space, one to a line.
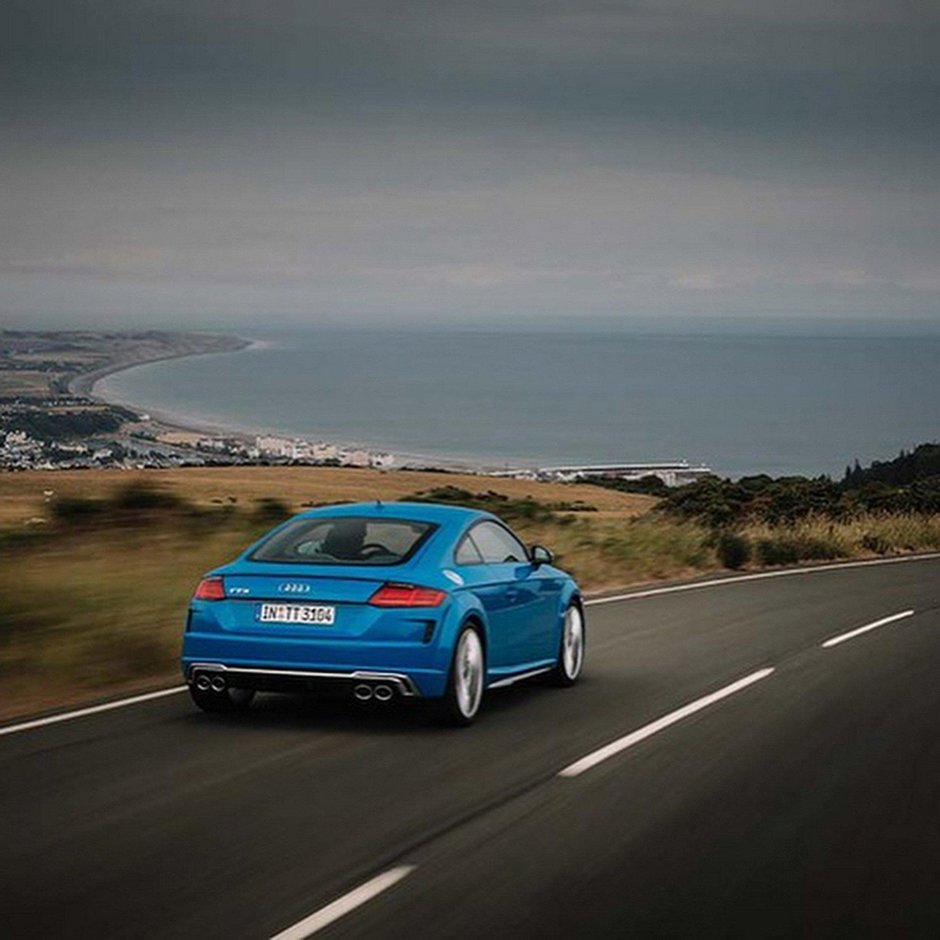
757,576
342,906
842,637
621,744
91,710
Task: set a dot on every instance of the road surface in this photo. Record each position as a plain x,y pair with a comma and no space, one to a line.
719,771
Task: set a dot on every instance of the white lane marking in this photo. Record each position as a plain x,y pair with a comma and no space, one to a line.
842,637
621,744
92,710
651,592
342,906
759,576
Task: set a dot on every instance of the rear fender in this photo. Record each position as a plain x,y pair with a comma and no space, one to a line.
464,606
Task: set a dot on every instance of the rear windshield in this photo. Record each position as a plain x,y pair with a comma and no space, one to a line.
344,541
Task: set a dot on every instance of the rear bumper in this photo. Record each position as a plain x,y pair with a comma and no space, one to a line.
291,665
298,680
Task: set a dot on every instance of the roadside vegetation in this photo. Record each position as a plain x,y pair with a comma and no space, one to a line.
96,567
890,507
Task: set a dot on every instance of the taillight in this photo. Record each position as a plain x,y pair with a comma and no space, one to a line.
210,589
407,595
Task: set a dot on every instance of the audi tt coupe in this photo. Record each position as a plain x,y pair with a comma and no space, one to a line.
383,601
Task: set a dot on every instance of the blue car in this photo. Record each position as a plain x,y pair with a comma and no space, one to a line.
383,601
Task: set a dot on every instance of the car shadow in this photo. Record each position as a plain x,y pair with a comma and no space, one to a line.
400,716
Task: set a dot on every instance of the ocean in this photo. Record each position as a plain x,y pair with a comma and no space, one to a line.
741,404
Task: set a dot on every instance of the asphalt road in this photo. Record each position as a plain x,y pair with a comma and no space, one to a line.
805,804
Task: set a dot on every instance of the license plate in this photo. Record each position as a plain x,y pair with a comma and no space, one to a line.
312,614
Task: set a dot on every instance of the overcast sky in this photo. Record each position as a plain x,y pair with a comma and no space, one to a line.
219,162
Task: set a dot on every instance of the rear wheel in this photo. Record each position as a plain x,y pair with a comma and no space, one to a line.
228,700
464,692
571,651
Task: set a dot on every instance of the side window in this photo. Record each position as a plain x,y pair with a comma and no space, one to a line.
497,545
467,553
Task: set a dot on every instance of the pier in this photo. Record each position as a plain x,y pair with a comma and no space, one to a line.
674,473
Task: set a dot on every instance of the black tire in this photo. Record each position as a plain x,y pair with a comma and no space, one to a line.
226,701
570,663
454,709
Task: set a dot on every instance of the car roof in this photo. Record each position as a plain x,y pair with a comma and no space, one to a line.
439,513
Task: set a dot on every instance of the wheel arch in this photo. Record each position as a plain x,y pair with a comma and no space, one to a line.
473,619
570,595
467,609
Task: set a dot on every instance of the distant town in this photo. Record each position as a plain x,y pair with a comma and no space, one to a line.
50,418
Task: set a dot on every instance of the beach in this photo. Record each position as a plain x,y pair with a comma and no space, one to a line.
741,404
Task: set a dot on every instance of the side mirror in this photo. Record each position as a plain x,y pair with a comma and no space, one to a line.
540,555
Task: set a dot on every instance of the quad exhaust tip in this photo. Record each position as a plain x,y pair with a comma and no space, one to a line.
362,691
204,682
380,692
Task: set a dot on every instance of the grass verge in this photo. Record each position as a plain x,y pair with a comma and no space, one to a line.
93,601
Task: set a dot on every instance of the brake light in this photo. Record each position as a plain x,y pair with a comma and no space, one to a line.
407,595
210,589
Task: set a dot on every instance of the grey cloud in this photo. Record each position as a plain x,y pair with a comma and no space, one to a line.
653,156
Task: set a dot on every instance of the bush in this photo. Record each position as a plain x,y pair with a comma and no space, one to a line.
270,509
649,485
719,503
132,504
791,549
733,550
78,509
140,496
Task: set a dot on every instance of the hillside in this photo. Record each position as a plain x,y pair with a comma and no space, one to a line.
922,463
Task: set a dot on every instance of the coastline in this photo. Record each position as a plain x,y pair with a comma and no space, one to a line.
85,385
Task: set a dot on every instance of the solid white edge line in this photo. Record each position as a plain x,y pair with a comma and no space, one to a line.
842,637
621,744
651,592
91,710
757,576
343,905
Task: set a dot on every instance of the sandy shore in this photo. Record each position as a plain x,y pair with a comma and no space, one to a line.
85,385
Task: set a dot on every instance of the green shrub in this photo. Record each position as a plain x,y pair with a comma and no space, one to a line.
733,550
649,485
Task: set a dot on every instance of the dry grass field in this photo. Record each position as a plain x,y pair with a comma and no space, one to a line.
22,494
94,609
